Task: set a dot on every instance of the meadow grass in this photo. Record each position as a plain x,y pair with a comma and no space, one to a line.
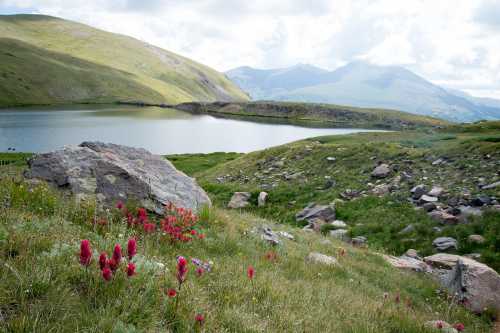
45,289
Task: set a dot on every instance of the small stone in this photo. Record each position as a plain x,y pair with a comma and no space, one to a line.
491,186
445,243
341,234
440,326
481,201
286,235
331,159
381,171
359,241
478,239
429,206
426,198
408,229
239,200
412,253
323,259
436,191
337,224
418,191
261,200
443,217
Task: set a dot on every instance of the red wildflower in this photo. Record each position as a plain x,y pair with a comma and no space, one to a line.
85,253
171,293
102,222
149,227
193,232
130,219
130,269
112,264
107,274
459,327
250,272
119,205
200,271
439,324
117,254
102,260
201,236
131,248
142,215
200,319
271,256
342,252
181,269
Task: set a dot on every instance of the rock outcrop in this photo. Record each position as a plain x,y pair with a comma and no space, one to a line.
239,200
476,285
109,173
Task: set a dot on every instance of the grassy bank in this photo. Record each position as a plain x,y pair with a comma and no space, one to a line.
299,173
44,288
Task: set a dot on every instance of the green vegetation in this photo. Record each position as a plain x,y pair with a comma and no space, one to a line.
325,115
299,173
194,163
46,60
45,289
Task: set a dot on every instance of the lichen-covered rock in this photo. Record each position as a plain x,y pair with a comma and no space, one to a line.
323,259
239,200
381,171
109,172
474,283
313,211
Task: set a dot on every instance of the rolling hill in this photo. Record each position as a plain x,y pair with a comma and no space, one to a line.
364,85
47,60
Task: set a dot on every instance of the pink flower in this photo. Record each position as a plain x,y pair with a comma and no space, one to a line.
142,215
250,272
171,293
117,254
181,269
459,327
119,205
200,271
85,253
200,319
130,269
131,248
102,260
149,227
112,264
107,274
201,236
439,324
193,232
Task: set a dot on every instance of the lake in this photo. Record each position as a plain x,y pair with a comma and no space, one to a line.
161,131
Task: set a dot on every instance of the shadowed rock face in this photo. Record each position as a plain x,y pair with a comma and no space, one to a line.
110,172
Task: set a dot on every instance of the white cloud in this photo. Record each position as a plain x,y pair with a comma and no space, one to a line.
453,42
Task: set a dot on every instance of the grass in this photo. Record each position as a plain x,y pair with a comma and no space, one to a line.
44,288
47,60
194,163
469,159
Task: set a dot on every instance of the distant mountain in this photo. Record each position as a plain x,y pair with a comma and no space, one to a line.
47,60
364,85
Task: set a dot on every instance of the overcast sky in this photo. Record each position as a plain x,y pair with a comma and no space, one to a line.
455,43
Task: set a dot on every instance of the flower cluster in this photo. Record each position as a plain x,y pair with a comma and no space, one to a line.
178,223
109,266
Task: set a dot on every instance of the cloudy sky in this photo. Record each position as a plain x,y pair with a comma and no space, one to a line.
455,43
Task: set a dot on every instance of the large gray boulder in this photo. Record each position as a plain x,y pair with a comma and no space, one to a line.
474,283
109,173
312,212
239,200
445,243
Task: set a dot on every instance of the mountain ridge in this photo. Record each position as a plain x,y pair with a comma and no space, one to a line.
162,76
363,84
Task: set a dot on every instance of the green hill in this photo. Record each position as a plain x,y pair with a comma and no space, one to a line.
47,60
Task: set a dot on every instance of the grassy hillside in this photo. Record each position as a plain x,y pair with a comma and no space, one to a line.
45,289
299,173
47,60
319,114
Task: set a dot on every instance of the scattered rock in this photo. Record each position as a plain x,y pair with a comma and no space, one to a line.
436,191
341,234
477,239
112,172
443,217
418,191
491,186
407,263
412,254
261,200
427,198
323,259
439,161
239,200
337,224
314,211
269,236
286,235
359,241
481,201
381,189
381,171
445,243
475,284
408,229
429,206
331,159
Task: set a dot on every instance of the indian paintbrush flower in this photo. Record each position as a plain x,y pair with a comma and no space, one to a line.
181,269
171,293
250,272
117,254
85,252
130,269
107,274
103,260
131,248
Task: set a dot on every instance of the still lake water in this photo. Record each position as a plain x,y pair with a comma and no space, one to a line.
161,131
